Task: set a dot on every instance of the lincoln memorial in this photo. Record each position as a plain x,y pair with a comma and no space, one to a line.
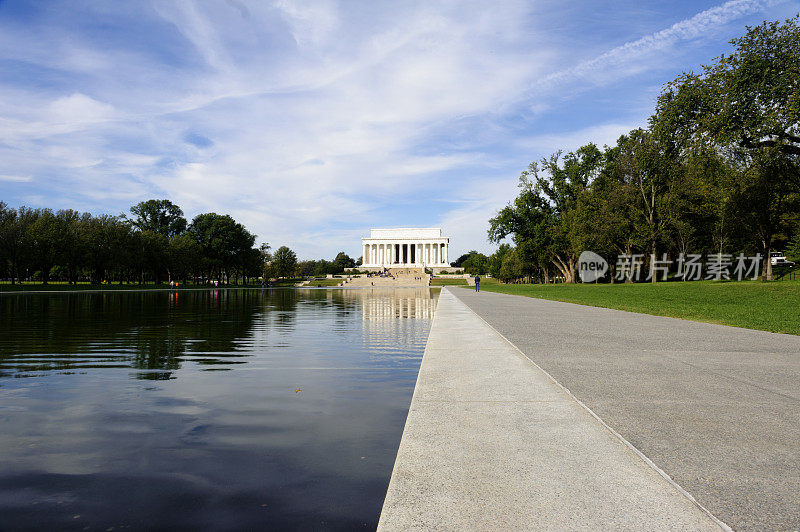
396,248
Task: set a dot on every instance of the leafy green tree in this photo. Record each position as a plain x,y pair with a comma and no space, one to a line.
496,260
13,235
324,267
307,268
511,268
476,264
105,238
747,105
284,261
226,244
5,214
343,261
44,236
793,251
184,254
153,255
529,221
159,216
545,213
23,254
606,218
644,164
72,252
460,260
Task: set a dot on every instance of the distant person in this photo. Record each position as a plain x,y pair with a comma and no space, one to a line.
477,283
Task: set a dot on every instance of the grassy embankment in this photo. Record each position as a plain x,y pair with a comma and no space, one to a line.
441,281
773,306
57,286
82,286
325,282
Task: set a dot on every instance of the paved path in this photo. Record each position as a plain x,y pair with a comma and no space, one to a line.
492,443
715,407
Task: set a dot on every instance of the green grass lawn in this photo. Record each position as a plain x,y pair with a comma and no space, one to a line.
66,287
773,306
325,282
441,281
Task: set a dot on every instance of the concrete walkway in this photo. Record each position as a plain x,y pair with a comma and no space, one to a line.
717,408
492,443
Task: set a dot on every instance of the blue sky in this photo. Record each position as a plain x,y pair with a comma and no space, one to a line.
311,122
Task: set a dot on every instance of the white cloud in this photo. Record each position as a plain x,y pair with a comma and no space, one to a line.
311,22
642,54
319,116
16,178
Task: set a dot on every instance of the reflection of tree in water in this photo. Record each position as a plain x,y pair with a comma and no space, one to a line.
282,306
149,331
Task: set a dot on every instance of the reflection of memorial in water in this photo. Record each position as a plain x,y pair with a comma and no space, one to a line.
393,320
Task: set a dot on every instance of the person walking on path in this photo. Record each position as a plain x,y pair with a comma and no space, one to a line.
477,283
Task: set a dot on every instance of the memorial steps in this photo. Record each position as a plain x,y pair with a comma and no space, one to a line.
394,277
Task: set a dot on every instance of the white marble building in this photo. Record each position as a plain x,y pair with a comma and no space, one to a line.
397,248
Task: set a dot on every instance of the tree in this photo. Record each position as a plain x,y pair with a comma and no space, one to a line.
159,216
73,248
225,243
472,262
528,220
511,268
343,261
106,238
644,163
284,262
545,214
12,240
460,260
747,105
476,264
496,260
20,245
5,215
183,256
153,255
793,251
45,242
307,268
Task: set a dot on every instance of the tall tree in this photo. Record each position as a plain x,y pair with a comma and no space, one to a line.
159,216
343,261
8,239
46,241
284,261
73,249
747,104
226,244
644,163
105,238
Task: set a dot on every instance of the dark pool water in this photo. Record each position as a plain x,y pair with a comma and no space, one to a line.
122,411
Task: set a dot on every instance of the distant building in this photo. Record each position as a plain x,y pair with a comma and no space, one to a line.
405,247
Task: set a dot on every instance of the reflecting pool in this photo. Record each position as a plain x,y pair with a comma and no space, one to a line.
225,410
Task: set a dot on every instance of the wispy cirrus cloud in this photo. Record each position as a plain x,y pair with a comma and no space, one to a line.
637,55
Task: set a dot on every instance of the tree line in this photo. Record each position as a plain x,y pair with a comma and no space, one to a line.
153,243
717,170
